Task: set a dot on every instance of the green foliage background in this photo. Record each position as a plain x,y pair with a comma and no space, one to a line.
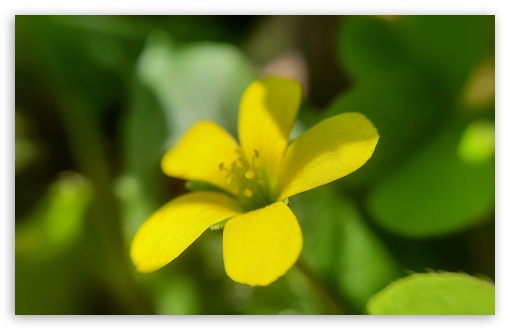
99,99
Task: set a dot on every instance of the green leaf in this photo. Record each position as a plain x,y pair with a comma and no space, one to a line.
402,106
369,45
340,247
478,142
440,46
26,149
68,200
58,220
140,187
201,81
364,265
175,294
437,191
408,73
448,45
433,294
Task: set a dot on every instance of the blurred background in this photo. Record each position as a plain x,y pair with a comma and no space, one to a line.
99,99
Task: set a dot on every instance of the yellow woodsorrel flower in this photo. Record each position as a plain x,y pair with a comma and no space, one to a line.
261,236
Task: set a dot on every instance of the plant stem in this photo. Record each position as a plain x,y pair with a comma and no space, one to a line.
331,304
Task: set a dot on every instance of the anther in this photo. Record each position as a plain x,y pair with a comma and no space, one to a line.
250,174
247,192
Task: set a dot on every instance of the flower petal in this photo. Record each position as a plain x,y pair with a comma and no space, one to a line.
169,231
267,113
261,245
326,152
199,153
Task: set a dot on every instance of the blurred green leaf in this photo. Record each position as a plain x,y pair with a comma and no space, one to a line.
58,220
340,247
202,81
364,265
69,198
26,150
369,45
411,70
447,45
175,295
436,191
408,73
402,106
478,142
140,186
319,218
435,293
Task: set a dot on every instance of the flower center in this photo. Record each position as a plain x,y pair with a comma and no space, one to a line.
247,181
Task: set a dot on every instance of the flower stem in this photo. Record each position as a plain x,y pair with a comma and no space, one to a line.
330,303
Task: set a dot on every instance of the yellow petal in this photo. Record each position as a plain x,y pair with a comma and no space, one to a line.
169,231
261,245
199,153
267,113
326,152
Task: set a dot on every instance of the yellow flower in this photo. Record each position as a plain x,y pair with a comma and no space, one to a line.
261,236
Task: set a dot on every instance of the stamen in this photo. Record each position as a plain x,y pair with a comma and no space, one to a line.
250,174
246,182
